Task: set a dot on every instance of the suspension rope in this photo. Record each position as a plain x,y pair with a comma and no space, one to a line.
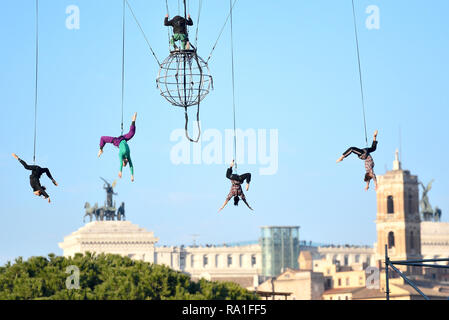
123,60
36,80
200,4
360,71
219,35
197,122
233,86
168,29
143,33
185,57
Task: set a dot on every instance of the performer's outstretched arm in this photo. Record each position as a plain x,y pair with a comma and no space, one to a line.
47,172
224,205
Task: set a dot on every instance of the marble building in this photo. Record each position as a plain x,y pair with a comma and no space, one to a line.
240,264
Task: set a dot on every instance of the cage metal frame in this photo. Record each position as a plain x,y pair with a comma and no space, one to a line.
184,78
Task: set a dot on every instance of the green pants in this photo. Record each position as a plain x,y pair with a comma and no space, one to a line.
179,37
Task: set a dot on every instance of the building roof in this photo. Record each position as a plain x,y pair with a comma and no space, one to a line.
404,290
430,292
342,290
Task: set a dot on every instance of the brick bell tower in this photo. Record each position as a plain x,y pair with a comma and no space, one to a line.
398,222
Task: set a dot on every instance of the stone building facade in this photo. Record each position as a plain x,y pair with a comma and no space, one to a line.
398,221
240,264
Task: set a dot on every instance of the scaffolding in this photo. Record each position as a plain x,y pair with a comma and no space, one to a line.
410,263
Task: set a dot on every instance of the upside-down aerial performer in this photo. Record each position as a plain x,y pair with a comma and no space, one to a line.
121,142
36,173
236,188
365,154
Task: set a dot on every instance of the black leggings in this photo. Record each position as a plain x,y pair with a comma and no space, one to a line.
36,173
241,178
360,152
36,185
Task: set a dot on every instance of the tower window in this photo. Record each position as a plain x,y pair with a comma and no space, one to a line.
390,239
390,204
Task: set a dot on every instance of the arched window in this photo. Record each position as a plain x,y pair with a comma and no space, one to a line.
390,204
390,239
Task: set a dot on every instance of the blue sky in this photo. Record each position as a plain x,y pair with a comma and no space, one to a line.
296,71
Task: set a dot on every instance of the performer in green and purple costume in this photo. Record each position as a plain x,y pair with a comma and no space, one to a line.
122,143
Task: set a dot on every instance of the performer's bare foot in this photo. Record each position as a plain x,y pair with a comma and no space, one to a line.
55,183
120,174
247,186
49,200
340,159
366,188
232,163
134,117
132,178
15,156
100,153
37,193
375,134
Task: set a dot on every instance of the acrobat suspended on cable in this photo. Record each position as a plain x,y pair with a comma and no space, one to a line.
122,143
36,173
365,154
236,189
180,33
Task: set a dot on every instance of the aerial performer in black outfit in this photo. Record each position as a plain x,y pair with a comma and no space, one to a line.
365,154
236,189
36,173
180,33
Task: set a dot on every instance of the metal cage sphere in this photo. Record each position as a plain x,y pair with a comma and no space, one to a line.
184,78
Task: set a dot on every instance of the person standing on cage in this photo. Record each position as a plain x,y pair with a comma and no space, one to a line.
365,154
180,33
236,188
122,143
36,173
